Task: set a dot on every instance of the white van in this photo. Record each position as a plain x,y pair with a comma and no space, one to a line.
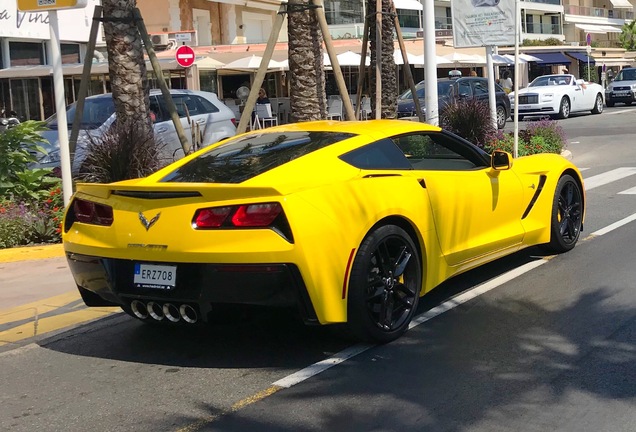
216,122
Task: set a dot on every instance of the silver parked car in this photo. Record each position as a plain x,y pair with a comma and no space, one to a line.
216,122
622,88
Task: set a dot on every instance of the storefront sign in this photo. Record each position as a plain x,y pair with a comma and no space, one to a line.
74,23
483,22
39,5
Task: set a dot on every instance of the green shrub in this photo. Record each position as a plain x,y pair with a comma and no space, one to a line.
18,148
471,119
121,153
543,136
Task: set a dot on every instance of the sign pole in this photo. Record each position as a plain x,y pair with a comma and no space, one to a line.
60,107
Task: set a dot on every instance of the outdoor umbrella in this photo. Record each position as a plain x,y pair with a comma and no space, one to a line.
251,63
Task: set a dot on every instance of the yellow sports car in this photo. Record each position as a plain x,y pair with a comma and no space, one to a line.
349,222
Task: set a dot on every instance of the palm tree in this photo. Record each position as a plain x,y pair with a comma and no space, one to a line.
628,36
388,76
126,65
307,77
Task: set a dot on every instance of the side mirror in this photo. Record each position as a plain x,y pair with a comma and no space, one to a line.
500,160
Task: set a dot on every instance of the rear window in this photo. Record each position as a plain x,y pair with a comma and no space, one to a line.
96,112
249,156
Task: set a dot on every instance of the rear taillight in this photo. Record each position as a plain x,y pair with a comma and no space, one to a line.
234,121
256,215
89,212
211,217
262,215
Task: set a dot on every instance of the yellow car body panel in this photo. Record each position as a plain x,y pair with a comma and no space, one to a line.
459,219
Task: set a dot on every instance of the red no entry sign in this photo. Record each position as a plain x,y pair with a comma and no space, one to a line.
185,56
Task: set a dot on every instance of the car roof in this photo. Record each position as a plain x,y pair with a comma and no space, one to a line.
153,92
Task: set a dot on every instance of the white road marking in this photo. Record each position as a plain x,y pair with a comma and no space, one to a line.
608,177
617,112
353,351
613,226
631,191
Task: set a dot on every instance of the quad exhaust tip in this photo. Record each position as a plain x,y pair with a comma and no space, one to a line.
158,312
171,312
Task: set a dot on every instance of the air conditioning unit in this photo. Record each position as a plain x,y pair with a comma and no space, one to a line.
159,39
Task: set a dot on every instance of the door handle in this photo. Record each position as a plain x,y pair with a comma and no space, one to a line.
201,121
162,129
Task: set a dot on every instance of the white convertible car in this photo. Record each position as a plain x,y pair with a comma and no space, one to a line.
558,95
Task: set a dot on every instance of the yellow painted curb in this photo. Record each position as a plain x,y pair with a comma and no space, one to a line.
31,253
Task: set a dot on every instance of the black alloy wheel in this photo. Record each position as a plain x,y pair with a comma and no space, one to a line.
384,287
567,215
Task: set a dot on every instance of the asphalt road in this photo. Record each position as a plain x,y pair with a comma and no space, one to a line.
552,348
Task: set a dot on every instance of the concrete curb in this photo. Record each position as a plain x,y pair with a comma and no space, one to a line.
567,154
28,253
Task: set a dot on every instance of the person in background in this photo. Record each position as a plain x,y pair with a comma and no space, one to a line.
262,97
473,73
506,82
565,71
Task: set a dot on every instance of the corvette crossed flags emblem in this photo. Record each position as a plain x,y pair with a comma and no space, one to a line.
148,223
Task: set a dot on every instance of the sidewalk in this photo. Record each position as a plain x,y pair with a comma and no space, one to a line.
38,295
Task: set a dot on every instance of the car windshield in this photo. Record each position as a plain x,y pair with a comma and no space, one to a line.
444,88
248,156
626,75
96,112
551,80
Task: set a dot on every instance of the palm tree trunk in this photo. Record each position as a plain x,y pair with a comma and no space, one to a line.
126,64
307,76
388,75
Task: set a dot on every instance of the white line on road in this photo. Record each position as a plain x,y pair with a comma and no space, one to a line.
631,191
350,352
613,226
617,112
608,177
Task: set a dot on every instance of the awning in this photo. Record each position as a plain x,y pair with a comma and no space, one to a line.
622,4
551,58
408,4
597,28
580,56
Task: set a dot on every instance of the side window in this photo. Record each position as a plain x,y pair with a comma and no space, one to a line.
156,113
436,151
480,88
463,89
206,106
185,105
380,155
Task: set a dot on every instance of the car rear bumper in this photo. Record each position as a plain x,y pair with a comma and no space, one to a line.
109,282
613,97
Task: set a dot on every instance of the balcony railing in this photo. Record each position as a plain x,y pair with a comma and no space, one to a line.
538,28
598,12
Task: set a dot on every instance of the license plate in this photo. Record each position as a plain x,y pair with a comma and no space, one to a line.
526,107
621,93
155,276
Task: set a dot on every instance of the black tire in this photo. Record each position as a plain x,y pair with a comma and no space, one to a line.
628,103
598,104
564,108
501,116
609,104
567,215
381,304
